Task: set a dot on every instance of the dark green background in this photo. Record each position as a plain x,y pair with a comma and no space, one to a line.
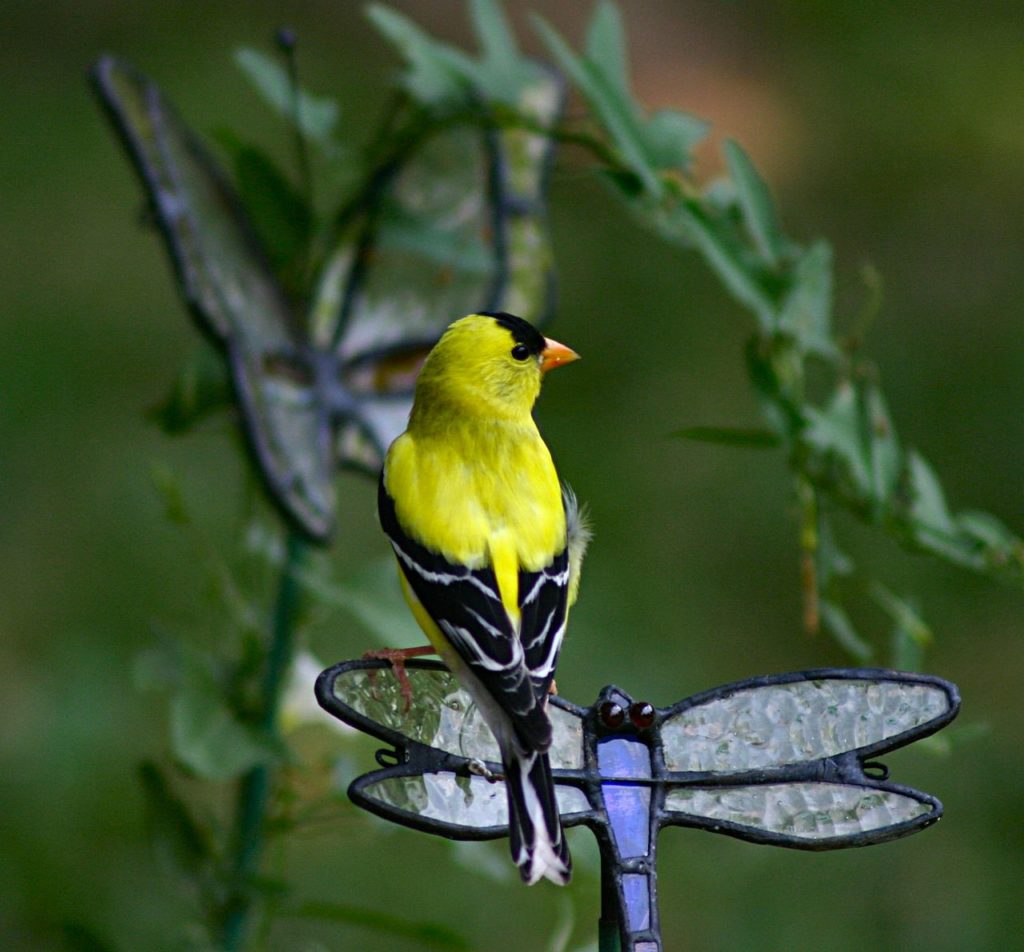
895,130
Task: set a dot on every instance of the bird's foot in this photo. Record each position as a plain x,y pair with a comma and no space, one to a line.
397,657
479,769
552,688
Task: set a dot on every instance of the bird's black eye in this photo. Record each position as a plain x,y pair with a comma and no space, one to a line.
520,352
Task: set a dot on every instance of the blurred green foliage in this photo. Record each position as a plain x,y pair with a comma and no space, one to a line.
895,131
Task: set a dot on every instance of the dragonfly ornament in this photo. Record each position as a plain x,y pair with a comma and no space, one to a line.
454,224
786,760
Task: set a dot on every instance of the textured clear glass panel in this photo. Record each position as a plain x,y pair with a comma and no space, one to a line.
812,811
228,282
291,430
795,722
441,246
443,715
462,801
384,420
433,258
223,269
628,806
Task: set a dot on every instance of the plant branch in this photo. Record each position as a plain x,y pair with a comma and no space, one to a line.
256,787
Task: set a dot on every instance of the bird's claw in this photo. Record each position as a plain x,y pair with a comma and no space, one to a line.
397,658
479,769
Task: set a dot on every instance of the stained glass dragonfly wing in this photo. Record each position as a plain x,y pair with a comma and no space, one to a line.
460,226
442,716
768,723
446,772
814,815
228,285
453,804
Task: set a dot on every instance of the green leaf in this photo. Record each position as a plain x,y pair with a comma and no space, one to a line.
628,184
689,222
669,138
730,436
373,596
838,624
910,635
931,524
903,613
885,454
503,75
496,38
806,313
165,482
836,432
612,104
928,501
437,73
756,203
280,215
207,735
988,530
178,839
431,934
783,415
832,562
199,389
646,146
606,44
435,241
317,116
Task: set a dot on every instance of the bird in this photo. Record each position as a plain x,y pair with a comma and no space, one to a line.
489,546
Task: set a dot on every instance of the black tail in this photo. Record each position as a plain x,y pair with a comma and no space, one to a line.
535,831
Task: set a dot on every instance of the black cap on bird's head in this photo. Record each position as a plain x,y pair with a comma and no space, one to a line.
552,353
523,332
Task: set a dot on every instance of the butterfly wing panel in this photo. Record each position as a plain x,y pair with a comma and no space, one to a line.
228,285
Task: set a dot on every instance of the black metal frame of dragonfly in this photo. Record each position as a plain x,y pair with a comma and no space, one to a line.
731,760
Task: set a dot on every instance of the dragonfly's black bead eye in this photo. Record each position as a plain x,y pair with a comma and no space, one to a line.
641,714
612,715
520,352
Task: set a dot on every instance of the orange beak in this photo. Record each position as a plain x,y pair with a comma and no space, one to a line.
555,354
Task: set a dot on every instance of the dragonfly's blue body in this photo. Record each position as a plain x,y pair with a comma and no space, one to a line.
628,808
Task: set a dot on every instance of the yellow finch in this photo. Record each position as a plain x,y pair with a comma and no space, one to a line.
489,547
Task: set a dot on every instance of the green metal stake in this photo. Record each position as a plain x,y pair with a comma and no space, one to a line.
608,924
254,793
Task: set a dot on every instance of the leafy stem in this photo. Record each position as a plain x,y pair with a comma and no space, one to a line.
256,786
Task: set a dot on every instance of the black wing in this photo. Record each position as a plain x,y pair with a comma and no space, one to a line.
466,605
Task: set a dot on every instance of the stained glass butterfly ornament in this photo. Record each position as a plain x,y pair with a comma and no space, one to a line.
787,760
454,224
